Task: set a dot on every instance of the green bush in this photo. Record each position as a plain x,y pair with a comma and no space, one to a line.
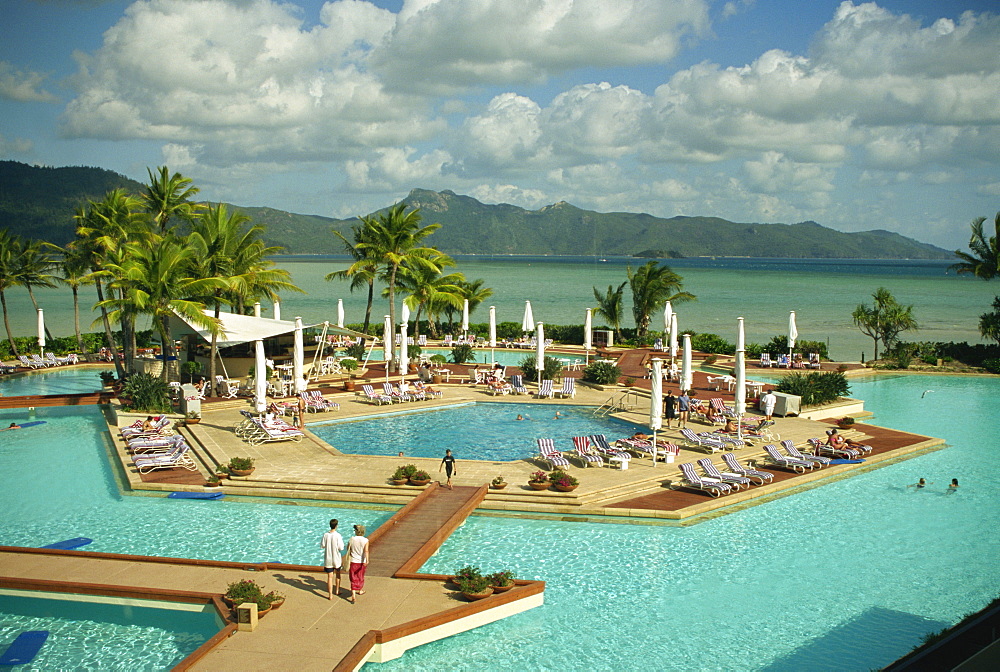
356,350
992,365
462,353
602,373
712,343
147,393
815,387
553,367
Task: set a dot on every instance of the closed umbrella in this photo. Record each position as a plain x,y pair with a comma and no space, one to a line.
340,313
588,341
687,377
387,332
673,336
260,378
404,355
41,332
741,378
668,316
528,321
493,331
656,401
793,334
277,310
298,358
465,316
540,351
404,317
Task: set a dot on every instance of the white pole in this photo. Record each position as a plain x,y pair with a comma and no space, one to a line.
656,401
41,332
588,340
260,378
256,309
540,351
298,357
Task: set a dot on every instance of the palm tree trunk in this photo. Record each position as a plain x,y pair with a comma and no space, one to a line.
76,320
6,323
119,369
214,350
163,327
368,308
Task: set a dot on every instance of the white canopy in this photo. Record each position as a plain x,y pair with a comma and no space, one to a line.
238,329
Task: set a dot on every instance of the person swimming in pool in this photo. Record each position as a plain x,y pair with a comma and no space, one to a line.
557,416
519,417
953,486
13,425
919,484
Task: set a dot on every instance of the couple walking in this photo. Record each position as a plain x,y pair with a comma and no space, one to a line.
357,557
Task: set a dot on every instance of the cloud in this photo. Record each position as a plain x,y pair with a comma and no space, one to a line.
509,193
991,189
394,167
14,146
24,87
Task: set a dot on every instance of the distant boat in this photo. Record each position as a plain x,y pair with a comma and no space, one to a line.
602,259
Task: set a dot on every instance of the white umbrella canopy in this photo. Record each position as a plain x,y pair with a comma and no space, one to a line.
493,326
588,325
673,335
656,401
540,350
340,313
668,316
298,357
277,310
41,330
404,315
528,321
404,355
260,378
387,341
793,333
741,391
465,315
687,376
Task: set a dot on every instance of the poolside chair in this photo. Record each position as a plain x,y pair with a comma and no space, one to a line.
422,340
226,389
845,453
814,362
26,362
765,360
727,439
393,393
56,361
544,390
734,466
41,362
548,453
693,480
178,458
447,341
783,362
160,425
517,384
711,471
658,345
583,451
792,451
276,430
772,456
426,391
603,448
641,447
500,387
374,397
153,445
701,443
568,388
720,407
319,400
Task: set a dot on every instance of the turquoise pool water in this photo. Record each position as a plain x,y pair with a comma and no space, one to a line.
847,576
473,431
505,356
105,636
64,380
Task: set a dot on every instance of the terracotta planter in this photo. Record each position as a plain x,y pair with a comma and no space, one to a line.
502,589
436,379
398,481
501,486
210,484
539,486
478,596
349,385
192,421
424,482
277,603
242,472
566,488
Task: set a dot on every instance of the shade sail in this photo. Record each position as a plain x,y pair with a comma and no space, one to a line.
238,329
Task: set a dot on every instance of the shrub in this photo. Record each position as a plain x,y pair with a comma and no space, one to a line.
563,479
399,475
553,367
240,463
992,365
538,477
467,572
712,343
438,359
502,578
356,350
462,353
407,470
421,475
473,585
929,359
815,387
711,359
148,394
602,373
498,480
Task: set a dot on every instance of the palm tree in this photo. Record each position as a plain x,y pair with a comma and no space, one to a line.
168,196
31,269
364,270
75,269
652,286
984,262
474,291
431,291
611,306
885,319
396,237
9,244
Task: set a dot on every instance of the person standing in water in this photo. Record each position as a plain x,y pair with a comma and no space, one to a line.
448,462
333,549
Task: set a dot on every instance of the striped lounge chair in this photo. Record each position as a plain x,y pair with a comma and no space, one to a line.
772,456
547,453
692,480
544,390
711,471
734,466
584,452
702,443
517,384
792,451
844,453
568,388
374,397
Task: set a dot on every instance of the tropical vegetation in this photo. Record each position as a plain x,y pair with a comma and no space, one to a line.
983,258
815,387
884,319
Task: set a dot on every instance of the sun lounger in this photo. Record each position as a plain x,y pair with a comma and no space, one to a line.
517,384
772,456
394,393
160,425
226,389
702,443
792,451
692,480
568,388
271,431
765,360
599,442
584,452
821,448
729,440
374,397
177,458
544,389
548,453
419,387
153,444
734,466
712,472
814,362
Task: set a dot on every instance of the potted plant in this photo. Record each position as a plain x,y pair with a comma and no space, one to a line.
501,581
241,466
466,572
420,477
563,481
845,422
400,476
222,471
475,588
107,379
189,369
275,599
350,366
629,382
192,418
538,481
498,483
213,481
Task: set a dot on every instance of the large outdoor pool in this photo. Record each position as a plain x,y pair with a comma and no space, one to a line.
62,380
847,576
473,431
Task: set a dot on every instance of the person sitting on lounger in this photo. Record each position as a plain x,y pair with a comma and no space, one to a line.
731,427
147,424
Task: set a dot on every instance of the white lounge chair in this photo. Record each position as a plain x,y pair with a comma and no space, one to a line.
568,388
692,480
544,390
547,453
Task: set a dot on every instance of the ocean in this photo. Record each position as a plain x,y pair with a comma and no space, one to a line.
823,294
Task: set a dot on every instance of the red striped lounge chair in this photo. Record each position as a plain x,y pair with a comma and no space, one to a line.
583,451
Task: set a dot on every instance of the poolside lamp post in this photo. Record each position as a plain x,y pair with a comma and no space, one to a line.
41,332
740,401
493,333
540,351
656,401
793,334
588,339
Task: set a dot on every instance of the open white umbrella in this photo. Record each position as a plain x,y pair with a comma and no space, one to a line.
493,331
741,378
41,331
260,378
404,355
673,336
793,334
588,341
340,313
298,358
540,351
465,316
687,376
528,321
387,332
656,401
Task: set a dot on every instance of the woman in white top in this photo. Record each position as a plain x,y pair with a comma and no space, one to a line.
333,549
357,553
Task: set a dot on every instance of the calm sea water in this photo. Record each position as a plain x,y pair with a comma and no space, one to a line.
822,292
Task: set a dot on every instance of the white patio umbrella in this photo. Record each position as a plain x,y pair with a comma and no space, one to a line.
404,355
387,332
41,332
465,316
668,316
793,334
493,332
298,358
588,340
741,378
673,337
260,378
404,315
656,401
277,310
528,321
540,351
340,313
687,377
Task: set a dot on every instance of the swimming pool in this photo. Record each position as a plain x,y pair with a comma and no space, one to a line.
64,380
473,431
874,562
504,356
105,634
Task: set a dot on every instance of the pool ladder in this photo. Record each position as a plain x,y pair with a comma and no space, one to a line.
625,400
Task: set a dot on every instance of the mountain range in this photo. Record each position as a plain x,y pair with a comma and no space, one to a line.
39,202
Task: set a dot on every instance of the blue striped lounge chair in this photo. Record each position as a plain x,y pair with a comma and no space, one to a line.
600,443
692,480
729,440
374,397
584,452
544,390
393,393
700,442
711,471
792,451
772,456
517,384
420,388
177,458
844,453
548,453
153,444
760,477
658,345
568,388
27,363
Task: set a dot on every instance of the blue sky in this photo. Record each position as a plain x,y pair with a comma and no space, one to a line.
856,115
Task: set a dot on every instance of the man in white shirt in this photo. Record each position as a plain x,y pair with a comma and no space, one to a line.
333,549
767,403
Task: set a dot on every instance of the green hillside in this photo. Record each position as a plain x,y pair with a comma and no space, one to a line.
39,203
